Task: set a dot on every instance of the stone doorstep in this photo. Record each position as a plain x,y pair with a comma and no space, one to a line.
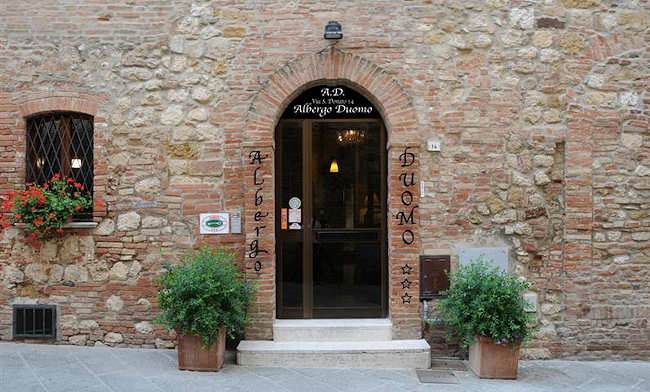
332,330
403,354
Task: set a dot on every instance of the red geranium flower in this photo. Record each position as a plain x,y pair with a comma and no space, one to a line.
52,215
70,180
77,207
59,230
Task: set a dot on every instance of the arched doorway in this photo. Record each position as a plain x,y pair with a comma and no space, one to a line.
331,229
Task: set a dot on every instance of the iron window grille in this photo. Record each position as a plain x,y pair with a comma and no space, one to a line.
61,142
34,321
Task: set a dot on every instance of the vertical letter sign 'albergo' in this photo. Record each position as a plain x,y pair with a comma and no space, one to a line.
214,223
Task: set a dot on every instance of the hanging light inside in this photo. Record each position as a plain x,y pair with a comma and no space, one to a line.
76,163
334,166
350,136
39,162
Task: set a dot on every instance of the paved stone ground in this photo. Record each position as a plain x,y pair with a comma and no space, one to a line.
49,368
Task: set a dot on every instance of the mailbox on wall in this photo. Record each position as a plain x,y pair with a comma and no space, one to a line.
433,275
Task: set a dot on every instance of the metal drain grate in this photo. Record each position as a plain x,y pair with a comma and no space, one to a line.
436,377
34,321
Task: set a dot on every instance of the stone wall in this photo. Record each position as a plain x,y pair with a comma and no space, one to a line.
541,107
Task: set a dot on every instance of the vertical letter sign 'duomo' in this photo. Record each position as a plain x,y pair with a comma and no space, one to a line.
406,215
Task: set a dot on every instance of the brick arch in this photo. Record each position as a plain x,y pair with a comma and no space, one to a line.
81,103
331,65
396,109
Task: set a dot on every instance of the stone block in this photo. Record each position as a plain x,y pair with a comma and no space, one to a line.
523,18
177,44
234,31
496,205
582,4
148,186
150,222
75,273
541,178
88,324
201,94
12,274
36,272
172,115
571,43
113,337
69,250
114,303
543,38
128,222
635,20
78,340
506,216
144,327
183,150
105,227
119,271
642,171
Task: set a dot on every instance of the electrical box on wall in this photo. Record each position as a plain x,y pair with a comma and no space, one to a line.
433,145
530,302
493,256
433,275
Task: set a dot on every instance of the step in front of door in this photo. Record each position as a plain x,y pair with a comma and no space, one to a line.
332,330
396,354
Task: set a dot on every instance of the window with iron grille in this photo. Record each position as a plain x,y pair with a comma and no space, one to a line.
61,142
34,321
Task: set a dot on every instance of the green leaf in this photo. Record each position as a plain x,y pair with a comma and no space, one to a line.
203,291
485,301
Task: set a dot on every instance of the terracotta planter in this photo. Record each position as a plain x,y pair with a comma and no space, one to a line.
192,355
489,360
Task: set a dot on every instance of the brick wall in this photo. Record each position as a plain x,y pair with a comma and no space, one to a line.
541,109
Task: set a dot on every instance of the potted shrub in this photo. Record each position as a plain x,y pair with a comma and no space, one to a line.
485,309
203,298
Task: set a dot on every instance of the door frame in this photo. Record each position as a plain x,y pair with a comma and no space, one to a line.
307,234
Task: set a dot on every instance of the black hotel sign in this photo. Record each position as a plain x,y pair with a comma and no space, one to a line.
330,102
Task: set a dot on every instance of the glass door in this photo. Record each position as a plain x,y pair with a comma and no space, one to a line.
331,225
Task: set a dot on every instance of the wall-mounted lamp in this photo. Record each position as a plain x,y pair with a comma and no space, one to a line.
76,163
334,166
333,30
